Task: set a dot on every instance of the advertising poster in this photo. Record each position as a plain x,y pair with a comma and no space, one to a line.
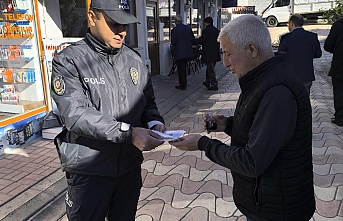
52,46
243,10
228,14
55,45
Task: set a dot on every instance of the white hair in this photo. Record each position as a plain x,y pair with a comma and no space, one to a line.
245,30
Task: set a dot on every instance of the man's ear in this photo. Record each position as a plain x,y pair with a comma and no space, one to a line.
91,18
291,26
253,49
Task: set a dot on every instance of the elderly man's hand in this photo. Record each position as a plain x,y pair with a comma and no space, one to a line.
220,121
145,139
189,142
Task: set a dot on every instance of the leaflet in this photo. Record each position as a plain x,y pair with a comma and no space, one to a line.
170,134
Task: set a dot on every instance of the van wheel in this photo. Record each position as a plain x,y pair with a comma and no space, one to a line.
271,21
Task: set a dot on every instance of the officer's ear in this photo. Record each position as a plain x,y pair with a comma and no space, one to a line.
92,17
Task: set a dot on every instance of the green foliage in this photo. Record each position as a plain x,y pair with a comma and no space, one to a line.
335,13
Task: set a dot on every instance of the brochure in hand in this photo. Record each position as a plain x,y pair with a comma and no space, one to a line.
170,134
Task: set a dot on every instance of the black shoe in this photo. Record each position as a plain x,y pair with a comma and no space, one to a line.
213,88
206,84
181,88
337,122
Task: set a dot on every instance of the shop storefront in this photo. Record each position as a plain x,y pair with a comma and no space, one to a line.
22,82
160,22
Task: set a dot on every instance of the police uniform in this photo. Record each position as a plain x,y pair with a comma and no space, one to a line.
101,94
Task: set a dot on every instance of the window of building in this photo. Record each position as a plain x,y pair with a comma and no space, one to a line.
131,36
194,20
21,80
167,10
74,20
80,4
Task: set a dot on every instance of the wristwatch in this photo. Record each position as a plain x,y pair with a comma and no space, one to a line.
124,127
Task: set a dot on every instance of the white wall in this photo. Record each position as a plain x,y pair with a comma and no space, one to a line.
50,19
142,34
166,61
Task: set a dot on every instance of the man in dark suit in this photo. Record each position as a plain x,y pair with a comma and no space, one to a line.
210,52
301,47
334,45
181,41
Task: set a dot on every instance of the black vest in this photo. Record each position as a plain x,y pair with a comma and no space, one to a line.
285,190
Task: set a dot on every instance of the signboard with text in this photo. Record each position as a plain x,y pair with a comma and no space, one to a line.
243,10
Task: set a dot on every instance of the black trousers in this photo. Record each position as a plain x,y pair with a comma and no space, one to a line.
181,70
337,85
211,74
92,198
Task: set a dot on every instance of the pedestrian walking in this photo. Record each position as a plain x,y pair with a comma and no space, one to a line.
181,43
301,47
270,155
210,53
104,93
334,45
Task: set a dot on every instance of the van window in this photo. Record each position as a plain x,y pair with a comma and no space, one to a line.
280,3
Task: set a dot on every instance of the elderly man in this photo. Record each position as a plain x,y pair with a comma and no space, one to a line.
181,41
270,156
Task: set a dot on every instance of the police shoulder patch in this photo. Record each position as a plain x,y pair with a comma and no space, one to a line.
134,75
58,85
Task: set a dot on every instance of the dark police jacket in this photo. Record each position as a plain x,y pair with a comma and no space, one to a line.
270,156
97,89
334,44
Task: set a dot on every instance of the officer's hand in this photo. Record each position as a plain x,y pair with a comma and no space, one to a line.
159,127
145,139
189,142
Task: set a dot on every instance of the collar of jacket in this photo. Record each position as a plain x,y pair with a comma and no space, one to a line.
99,47
255,74
339,20
298,28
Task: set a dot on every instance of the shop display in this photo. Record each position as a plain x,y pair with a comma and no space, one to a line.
9,94
16,134
21,84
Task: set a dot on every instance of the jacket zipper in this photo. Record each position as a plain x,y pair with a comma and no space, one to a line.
256,194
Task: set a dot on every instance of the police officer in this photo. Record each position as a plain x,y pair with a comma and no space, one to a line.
104,94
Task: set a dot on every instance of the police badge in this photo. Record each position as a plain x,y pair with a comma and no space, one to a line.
59,86
134,75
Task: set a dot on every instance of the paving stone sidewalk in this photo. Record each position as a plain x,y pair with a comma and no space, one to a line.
182,185
187,186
